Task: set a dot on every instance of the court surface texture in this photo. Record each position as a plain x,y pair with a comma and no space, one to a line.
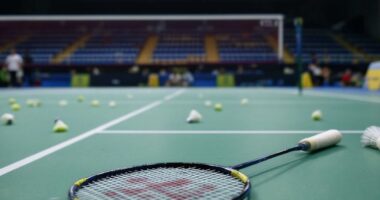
148,126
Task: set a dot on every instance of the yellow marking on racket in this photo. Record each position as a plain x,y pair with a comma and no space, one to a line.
239,175
80,181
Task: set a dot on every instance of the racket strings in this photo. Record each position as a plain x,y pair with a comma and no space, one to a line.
164,183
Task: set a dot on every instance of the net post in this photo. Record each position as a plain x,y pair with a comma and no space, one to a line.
281,38
298,22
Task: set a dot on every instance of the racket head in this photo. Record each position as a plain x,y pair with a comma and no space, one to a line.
164,181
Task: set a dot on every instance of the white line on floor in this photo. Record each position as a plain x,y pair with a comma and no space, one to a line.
221,132
82,136
343,96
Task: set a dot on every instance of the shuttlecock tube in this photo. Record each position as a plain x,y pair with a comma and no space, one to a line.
322,140
194,117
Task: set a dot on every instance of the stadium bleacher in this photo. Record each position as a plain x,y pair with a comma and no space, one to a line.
121,42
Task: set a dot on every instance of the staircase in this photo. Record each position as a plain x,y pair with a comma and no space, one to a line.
288,57
10,44
211,47
350,47
146,53
70,49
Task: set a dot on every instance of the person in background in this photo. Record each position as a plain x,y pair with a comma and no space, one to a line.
316,73
13,64
187,78
175,78
357,79
28,71
326,74
28,60
346,78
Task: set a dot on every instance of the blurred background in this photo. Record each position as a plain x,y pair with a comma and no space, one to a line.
190,43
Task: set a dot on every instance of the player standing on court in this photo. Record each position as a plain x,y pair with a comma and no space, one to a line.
14,63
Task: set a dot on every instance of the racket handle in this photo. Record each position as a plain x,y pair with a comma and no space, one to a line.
322,140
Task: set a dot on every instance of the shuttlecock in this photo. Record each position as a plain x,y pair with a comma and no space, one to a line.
60,126
316,115
33,103
208,103
95,103
11,101
37,103
112,104
218,107
371,137
194,117
7,119
15,107
80,98
244,101
62,103
30,102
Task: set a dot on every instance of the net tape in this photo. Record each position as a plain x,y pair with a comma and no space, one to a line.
164,183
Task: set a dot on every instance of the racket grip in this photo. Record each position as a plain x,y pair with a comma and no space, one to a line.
321,140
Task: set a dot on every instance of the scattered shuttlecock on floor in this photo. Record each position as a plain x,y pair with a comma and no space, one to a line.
194,117
7,119
208,103
316,115
33,103
60,126
37,103
11,101
218,107
371,137
62,103
15,107
95,103
30,102
80,98
112,104
244,101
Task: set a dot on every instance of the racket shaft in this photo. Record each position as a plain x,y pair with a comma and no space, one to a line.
259,160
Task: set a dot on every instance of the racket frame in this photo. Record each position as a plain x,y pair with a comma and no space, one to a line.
224,170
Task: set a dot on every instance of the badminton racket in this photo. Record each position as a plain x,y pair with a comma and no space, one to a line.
184,181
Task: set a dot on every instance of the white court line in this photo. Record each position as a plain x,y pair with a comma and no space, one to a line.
342,96
82,136
220,132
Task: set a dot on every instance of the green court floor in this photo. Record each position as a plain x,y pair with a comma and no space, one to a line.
148,126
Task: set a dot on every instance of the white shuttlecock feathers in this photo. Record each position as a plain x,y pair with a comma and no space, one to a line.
371,137
63,103
244,101
112,103
7,119
208,103
194,117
